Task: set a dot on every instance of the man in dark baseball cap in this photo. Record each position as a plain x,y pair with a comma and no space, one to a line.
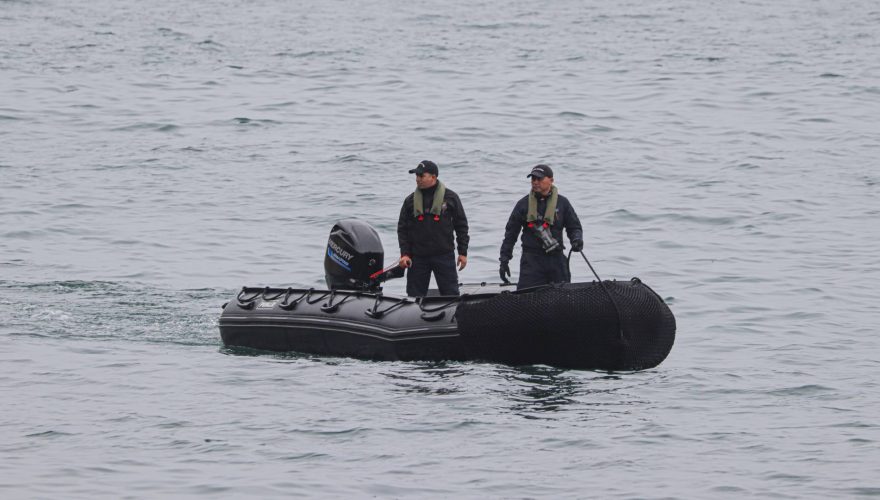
541,216
426,166
432,225
541,171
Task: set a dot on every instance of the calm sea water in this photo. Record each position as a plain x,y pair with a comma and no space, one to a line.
155,157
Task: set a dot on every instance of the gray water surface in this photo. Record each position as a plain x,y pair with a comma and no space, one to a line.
155,157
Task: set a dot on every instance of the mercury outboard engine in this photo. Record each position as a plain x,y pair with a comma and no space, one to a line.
354,257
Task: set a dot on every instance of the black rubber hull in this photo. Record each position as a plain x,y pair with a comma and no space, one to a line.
340,340
609,326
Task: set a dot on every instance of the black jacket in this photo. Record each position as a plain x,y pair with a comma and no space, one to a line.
429,237
565,217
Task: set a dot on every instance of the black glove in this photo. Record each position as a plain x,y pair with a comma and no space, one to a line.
504,271
577,245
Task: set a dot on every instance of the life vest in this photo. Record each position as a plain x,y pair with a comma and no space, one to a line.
532,214
436,205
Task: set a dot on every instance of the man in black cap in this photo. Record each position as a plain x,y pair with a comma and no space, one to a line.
425,229
541,215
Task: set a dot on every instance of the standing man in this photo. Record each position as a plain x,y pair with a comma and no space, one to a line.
541,215
425,229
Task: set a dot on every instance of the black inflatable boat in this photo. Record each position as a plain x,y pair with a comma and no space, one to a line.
604,325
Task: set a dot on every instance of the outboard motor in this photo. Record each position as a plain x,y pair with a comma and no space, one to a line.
354,256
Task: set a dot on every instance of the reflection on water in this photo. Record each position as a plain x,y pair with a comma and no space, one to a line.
427,378
539,388
539,391
533,391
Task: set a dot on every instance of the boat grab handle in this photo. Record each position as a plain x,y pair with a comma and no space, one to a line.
289,306
330,307
439,308
245,302
376,313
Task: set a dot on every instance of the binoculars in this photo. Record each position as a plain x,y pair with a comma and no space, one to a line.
548,242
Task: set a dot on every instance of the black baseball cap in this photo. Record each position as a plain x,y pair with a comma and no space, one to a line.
541,171
425,166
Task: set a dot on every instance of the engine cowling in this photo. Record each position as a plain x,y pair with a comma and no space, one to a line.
354,254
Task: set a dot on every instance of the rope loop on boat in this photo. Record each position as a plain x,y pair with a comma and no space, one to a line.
309,299
266,296
376,313
245,302
420,302
330,307
289,306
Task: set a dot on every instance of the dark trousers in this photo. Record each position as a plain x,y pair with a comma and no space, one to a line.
419,275
542,269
